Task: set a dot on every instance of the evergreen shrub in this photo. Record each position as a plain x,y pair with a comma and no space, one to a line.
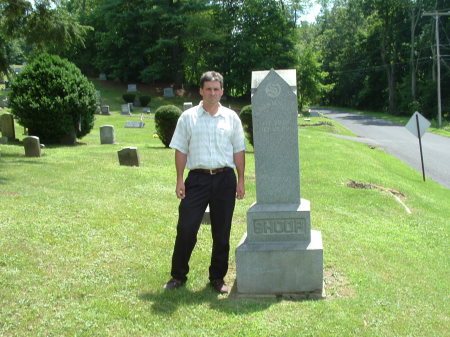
166,117
247,122
54,100
129,97
145,99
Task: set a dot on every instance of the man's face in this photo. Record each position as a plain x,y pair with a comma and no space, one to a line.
211,92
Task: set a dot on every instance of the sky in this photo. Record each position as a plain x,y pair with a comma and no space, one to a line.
310,16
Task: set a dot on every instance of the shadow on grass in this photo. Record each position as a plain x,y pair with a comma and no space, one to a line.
166,302
157,147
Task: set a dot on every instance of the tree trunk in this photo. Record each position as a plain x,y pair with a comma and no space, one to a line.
391,85
414,20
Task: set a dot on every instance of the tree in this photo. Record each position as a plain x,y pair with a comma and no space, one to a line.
53,100
45,27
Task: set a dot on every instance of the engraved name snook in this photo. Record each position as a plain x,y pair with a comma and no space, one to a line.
279,226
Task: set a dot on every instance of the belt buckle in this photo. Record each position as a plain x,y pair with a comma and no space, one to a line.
211,172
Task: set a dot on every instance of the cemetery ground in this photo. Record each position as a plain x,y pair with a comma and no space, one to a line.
86,244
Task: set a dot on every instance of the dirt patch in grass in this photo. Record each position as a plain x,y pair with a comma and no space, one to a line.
336,285
368,186
399,196
317,124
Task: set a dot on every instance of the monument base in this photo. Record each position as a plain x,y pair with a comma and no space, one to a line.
279,268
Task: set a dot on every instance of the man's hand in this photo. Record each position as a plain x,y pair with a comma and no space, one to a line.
240,190
180,190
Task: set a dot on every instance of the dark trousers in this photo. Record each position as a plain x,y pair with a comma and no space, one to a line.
219,191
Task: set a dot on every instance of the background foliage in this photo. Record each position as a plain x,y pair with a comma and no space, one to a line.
365,54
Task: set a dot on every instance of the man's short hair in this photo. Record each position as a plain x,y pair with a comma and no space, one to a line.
211,76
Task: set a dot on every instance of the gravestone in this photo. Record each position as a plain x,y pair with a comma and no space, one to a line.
130,105
132,88
7,125
32,146
99,98
279,250
168,92
102,77
129,156
125,109
137,101
105,110
134,124
146,110
187,105
107,135
314,113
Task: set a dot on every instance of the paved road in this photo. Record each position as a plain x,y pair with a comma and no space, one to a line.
398,141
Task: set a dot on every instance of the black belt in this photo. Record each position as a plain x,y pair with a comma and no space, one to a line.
212,171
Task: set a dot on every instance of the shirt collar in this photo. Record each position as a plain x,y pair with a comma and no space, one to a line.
202,111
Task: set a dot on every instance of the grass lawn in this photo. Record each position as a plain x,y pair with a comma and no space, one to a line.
85,245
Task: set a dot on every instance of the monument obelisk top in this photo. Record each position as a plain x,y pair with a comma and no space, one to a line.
274,113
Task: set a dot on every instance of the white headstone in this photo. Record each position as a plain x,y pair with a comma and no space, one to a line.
132,88
134,124
187,105
32,146
125,109
107,135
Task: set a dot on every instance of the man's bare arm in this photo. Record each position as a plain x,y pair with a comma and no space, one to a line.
180,164
239,161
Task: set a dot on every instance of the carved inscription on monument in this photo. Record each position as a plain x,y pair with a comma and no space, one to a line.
279,226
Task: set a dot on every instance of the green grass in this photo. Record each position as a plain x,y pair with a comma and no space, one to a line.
86,244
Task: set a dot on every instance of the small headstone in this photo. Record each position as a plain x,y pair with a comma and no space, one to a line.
131,106
107,134
146,110
187,105
134,124
314,113
105,110
99,97
102,77
7,125
129,156
32,146
168,92
132,88
125,109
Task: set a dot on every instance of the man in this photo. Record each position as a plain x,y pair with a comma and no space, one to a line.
210,141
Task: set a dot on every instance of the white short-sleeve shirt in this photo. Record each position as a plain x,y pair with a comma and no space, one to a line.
209,141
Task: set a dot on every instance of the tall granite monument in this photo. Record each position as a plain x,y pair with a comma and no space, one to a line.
279,254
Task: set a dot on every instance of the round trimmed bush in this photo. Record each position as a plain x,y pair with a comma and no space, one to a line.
144,99
54,100
166,117
247,122
129,97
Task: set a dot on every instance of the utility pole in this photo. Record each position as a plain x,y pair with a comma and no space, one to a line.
436,15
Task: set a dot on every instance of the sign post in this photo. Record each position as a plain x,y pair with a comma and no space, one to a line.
417,125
